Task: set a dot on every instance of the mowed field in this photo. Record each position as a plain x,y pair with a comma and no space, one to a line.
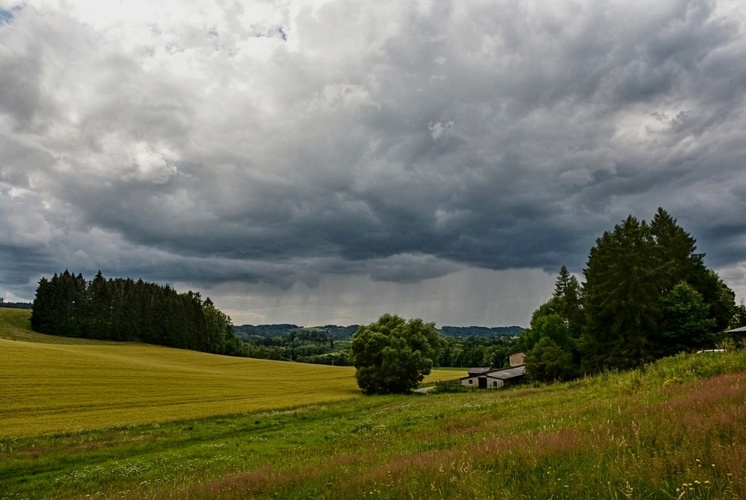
54,385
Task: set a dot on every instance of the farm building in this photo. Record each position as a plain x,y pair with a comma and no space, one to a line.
488,378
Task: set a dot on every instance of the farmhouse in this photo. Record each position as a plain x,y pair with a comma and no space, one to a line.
488,378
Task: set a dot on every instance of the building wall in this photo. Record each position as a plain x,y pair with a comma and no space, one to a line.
492,383
516,359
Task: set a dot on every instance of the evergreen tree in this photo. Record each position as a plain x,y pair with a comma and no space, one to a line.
122,309
99,317
551,341
620,298
640,283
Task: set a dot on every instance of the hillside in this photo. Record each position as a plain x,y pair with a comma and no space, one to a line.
58,384
673,431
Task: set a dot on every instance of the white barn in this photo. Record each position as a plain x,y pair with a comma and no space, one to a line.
487,378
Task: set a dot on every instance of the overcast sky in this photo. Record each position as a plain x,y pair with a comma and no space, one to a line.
326,162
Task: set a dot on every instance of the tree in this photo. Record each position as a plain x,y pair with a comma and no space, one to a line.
567,288
641,283
685,324
393,355
550,343
100,306
620,298
548,362
121,309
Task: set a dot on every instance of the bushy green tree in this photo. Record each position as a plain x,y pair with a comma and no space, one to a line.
393,355
550,342
685,324
548,362
632,313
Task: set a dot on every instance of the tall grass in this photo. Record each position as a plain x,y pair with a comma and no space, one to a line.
675,430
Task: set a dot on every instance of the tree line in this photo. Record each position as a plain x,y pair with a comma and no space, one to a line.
15,305
304,345
330,344
122,309
646,294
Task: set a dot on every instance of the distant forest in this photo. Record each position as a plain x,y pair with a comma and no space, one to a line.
247,332
16,305
330,344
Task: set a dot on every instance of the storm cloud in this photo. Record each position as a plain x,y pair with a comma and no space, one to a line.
328,161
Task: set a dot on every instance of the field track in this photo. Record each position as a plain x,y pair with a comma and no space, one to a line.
68,387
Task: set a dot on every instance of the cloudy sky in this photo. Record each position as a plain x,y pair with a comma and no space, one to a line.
329,161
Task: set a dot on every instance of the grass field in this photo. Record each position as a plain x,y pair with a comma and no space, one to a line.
56,384
675,430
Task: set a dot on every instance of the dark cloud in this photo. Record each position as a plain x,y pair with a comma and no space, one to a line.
403,143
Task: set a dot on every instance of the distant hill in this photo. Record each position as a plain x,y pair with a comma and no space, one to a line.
15,305
247,332
481,331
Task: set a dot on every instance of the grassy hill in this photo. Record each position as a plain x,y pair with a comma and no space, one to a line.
56,384
674,430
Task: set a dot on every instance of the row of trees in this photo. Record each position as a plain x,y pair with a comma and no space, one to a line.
126,310
476,351
646,294
302,345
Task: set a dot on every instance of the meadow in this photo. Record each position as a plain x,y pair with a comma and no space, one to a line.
58,384
672,430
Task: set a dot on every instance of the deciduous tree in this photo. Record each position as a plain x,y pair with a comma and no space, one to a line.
393,355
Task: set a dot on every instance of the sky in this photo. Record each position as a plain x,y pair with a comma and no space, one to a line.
325,162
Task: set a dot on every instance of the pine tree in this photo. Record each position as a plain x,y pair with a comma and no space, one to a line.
620,297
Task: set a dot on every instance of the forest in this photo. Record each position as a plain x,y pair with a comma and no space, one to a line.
122,309
647,294
330,344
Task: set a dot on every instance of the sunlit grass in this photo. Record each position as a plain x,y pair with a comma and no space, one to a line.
55,384
61,387
15,325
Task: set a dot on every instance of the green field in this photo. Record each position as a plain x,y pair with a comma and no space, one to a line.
56,384
674,430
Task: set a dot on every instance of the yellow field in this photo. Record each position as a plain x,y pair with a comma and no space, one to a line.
62,387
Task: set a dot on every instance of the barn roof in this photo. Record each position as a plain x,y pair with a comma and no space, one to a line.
479,370
508,373
501,374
